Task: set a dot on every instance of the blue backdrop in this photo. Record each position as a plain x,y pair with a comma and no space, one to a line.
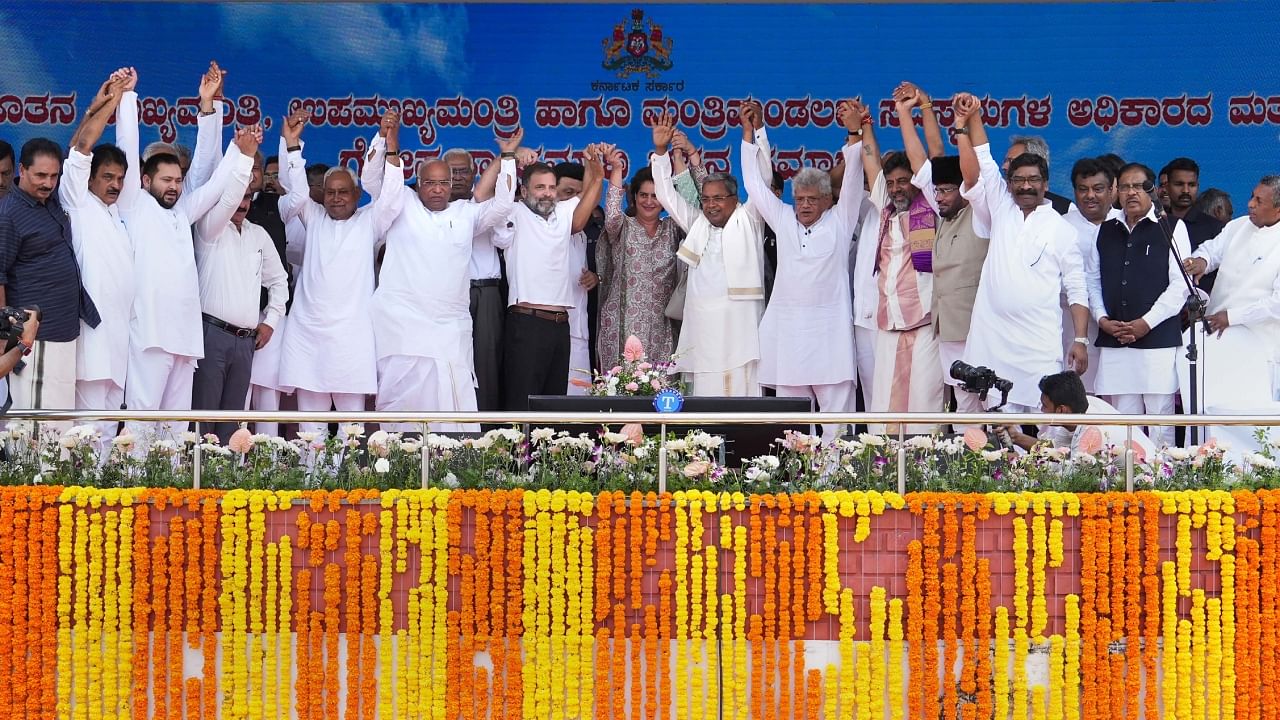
1146,81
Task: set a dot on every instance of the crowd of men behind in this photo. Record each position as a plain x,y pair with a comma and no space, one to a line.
170,279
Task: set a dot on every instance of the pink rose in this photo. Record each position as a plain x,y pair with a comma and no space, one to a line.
655,384
633,350
975,439
1090,441
697,468
615,370
644,366
1139,454
634,433
241,441
632,387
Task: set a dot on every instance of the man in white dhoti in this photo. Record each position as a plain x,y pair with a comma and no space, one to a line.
92,178
719,346
165,338
960,247
328,352
806,333
1094,183
1136,292
1033,255
1239,360
909,377
422,328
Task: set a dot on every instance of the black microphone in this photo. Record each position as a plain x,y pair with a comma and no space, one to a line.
1154,192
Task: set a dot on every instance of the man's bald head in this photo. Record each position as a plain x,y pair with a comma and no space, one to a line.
434,184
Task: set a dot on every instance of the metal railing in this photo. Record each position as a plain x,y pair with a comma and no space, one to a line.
663,420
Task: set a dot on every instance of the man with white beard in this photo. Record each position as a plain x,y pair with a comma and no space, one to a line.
422,329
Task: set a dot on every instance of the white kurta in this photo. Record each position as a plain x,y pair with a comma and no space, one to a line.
104,252
1087,241
806,334
1017,319
166,308
1247,259
329,346
1130,370
718,333
422,305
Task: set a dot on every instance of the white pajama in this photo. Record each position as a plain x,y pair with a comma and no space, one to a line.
579,361
158,380
409,384
736,382
101,395
311,401
832,397
1147,404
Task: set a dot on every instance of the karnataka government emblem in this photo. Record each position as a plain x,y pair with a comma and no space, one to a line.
638,49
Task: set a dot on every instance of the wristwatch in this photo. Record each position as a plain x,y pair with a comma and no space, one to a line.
1082,341
962,131
26,349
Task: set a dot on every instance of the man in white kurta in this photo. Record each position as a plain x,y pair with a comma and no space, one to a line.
1032,258
165,338
421,309
1138,380
806,333
1239,359
719,346
328,352
104,253
1094,185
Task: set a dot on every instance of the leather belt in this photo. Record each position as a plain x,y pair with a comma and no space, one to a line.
556,316
228,327
486,282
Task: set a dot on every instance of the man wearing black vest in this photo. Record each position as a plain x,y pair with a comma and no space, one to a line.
1135,292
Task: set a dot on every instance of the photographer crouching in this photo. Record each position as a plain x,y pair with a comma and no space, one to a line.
1063,393
18,334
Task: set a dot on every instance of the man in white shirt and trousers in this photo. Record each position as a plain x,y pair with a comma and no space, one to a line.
328,352
806,333
1094,184
92,178
719,347
537,242
235,259
1240,359
1032,257
421,316
165,338
1136,294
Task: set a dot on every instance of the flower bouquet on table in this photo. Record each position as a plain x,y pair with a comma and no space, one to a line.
634,375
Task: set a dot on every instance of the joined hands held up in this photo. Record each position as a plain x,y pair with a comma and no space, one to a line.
291,130
248,139
512,143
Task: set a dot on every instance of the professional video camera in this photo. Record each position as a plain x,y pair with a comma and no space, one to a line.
980,380
11,320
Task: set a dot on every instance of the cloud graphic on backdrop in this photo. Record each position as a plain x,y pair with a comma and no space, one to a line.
21,69
357,43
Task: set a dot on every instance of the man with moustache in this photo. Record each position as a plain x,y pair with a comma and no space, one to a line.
89,190
235,260
535,340
908,376
166,337
1183,187
328,354
719,345
1094,183
422,330
961,245
1034,144
6,168
1033,256
1136,291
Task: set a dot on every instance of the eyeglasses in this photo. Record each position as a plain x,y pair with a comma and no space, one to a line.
461,172
808,201
271,175
1133,187
1018,181
945,189
436,183
715,198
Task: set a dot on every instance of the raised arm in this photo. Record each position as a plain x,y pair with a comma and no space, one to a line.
393,194
590,197
497,210
849,205
676,205
221,189
293,179
754,153
614,217
510,148
73,189
230,182
208,129
371,171
906,97
127,141
970,135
